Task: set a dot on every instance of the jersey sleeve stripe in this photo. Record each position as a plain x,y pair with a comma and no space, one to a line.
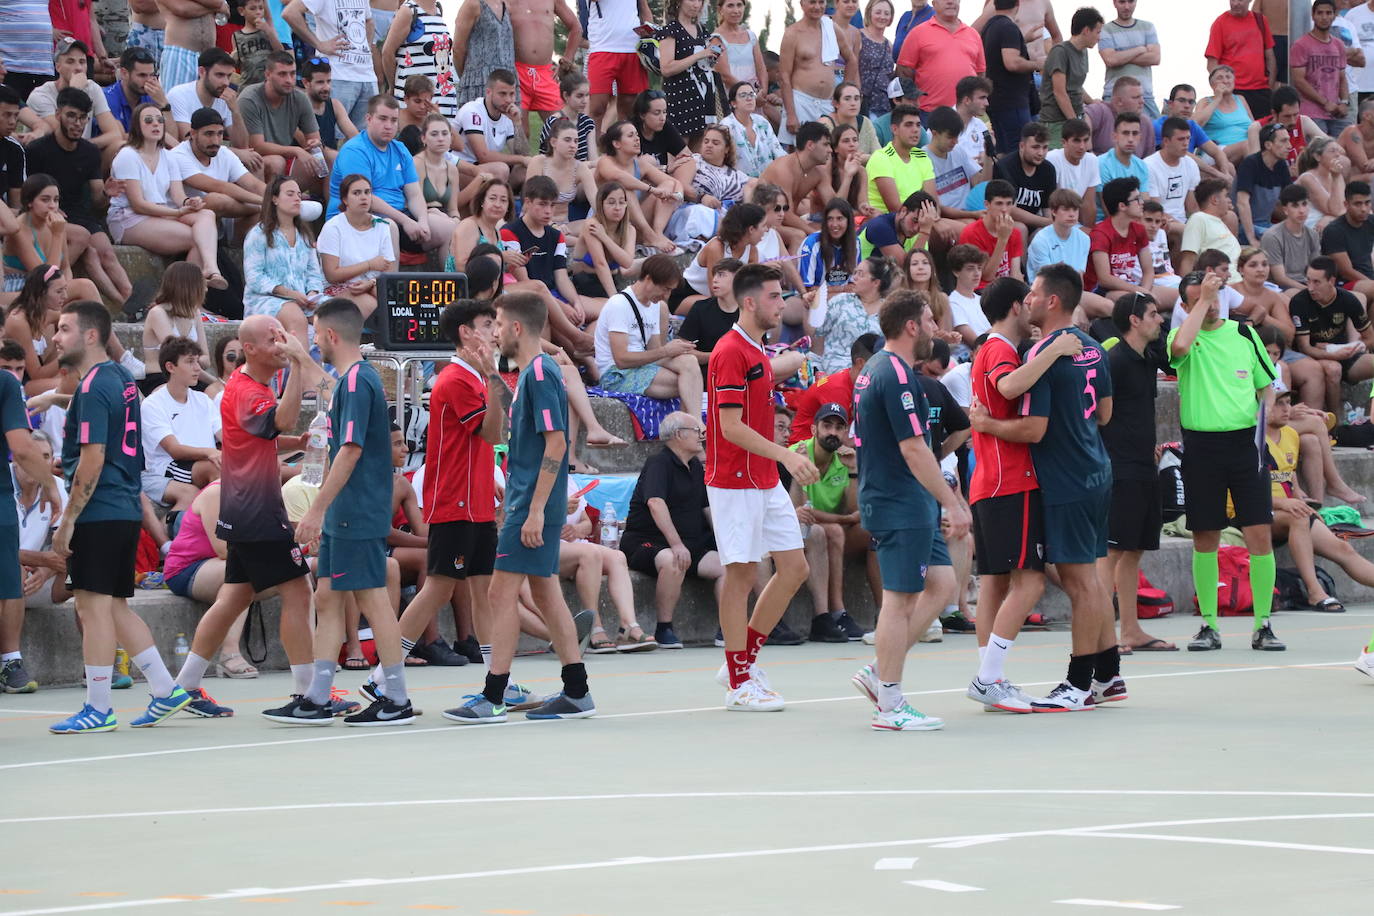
353,378
898,368
548,421
539,369
468,416
85,432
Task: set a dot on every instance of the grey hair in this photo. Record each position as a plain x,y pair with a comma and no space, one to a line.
40,436
672,424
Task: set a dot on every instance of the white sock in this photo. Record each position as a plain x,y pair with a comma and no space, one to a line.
378,680
10,656
994,658
192,671
889,696
302,675
486,656
98,687
982,650
155,672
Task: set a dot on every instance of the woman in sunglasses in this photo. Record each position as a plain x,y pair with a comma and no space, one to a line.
227,356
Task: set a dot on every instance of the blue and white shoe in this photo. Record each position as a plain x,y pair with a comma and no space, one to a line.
562,706
87,720
204,705
160,708
340,705
521,696
476,710
121,681
370,692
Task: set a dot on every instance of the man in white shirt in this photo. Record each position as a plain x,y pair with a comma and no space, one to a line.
1174,175
971,95
1360,20
630,353
488,124
207,169
1075,166
345,37
180,427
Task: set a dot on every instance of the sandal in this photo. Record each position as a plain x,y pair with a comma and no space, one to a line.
234,665
628,642
1330,606
216,281
355,663
601,644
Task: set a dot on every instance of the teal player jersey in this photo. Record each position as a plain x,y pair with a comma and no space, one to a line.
358,416
1070,461
889,408
105,410
540,406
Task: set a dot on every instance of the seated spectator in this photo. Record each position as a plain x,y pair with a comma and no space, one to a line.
488,124
1122,161
780,241
71,65
439,181
330,114
1225,116
967,263
1156,223
908,228
667,531
38,519
1210,159
137,85
654,194
1330,325
180,430
143,211
848,100
1349,240
741,231
711,318
717,179
902,90
417,103
849,315
830,255
972,95
281,269
659,138
177,311
1358,142
1076,169
1207,228
918,273
279,124
356,247
1031,177
208,170
956,173
493,205
572,177
1063,240
901,168
254,42
1127,97
74,163
1261,305
995,233
1290,245
210,89
1322,170
1119,251
1218,262
631,355
586,564
573,88
30,321
41,236
1260,178
835,388
396,192
828,511
605,249
801,174
848,176
756,143
1301,129
225,358
1173,174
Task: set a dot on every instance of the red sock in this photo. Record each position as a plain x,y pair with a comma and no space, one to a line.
753,642
737,665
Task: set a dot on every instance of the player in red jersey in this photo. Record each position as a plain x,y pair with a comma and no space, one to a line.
751,511
835,388
1008,519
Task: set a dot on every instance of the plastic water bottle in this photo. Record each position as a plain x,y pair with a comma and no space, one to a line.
316,450
806,529
321,167
180,649
610,528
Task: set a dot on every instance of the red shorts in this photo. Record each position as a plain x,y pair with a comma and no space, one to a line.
538,87
615,73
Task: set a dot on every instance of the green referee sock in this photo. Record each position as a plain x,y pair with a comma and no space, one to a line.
1262,586
1205,577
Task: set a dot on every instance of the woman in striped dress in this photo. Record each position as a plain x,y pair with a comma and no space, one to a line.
419,42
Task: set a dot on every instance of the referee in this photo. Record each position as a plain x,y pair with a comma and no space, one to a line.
1223,371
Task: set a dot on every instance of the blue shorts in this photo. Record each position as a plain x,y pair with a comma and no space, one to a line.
1076,532
11,576
939,551
180,584
177,66
629,381
904,554
352,564
514,557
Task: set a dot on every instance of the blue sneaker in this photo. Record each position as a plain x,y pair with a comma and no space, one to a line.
204,705
562,706
340,705
521,696
160,708
87,720
477,710
121,681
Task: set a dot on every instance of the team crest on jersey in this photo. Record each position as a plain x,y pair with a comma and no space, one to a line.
908,402
861,382
297,556
1242,373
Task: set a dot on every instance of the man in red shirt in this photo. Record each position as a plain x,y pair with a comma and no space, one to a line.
1119,259
750,510
1241,40
943,51
1008,519
835,388
997,233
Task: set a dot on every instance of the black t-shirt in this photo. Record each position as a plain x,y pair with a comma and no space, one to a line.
945,417
666,144
12,166
683,488
1130,437
1341,237
1032,191
548,252
73,171
1009,90
1326,323
706,323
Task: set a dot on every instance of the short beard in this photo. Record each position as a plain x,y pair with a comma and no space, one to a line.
70,360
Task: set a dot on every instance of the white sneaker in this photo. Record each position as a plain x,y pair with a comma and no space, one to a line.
751,696
1003,695
905,719
1065,698
870,638
936,633
1112,691
756,674
1365,663
865,680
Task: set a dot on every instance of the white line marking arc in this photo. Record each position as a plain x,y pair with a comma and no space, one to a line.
1118,904
895,864
949,887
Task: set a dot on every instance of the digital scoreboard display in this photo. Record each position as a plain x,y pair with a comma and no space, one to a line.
411,303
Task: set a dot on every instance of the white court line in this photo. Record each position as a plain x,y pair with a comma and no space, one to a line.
1118,904
38,712
895,864
1220,841
663,860
949,887
455,729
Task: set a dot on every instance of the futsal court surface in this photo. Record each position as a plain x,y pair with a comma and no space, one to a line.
1230,782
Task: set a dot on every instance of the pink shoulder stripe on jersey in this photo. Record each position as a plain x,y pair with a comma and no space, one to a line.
916,425
353,378
539,370
548,421
348,432
899,369
85,432
86,382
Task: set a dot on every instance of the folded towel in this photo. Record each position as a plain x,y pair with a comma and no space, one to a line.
830,43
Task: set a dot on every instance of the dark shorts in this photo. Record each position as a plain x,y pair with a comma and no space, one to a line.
458,550
904,555
180,584
263,564
641,556
1349,363
1076,532
103,557
1136,515
352,564
11,576
1009,533
939,551
1215,464
514,557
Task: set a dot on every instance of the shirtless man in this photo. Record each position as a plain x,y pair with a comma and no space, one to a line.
1038,26
808,81
801,172
1358,142
1276,11
145,27
190,29
534,53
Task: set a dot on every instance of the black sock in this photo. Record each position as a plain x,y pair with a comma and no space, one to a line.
575,680
1081,671
1107,664
495,690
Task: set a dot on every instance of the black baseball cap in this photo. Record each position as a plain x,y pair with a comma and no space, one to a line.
832,410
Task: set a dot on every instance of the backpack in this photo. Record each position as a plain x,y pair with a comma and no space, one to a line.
1151,602
1292,593
647,50
1171,480
1234,598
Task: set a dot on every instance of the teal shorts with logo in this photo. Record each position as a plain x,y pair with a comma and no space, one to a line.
350,564
904,555
513,556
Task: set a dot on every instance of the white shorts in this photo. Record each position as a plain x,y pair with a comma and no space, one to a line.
808,108
752,523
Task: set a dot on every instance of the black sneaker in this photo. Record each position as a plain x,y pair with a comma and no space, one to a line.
850,626
1206,640
825,629
957,623
383,712
719,639
1265,640
300,711
583,622
439,653
14,679
666,638
370,692
469,649
783,635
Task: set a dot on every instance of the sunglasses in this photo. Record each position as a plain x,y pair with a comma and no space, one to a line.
782,208
319,60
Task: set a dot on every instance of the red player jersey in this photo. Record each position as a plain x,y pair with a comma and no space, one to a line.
1003,468
835,388
739,375
460,480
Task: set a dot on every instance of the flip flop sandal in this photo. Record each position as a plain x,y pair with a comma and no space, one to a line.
356,663
1155,645
1329,606
235,665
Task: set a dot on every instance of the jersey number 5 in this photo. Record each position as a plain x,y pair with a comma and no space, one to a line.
1091,393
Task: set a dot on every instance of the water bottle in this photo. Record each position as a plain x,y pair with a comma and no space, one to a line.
610,528
316,450
321,167
806,529
180,649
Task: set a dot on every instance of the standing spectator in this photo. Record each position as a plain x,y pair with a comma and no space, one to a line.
1075,167
1260,178
1207,227
146,27
1242,40
281,271
345,38
943,51
875,57
1359,19
254,42
1127,95
1173,175
355,247
687,58
1317,64
1011,71
280,124
1030,175
1130,47
809,54
1065,72
920,11
743,59
190,30
1349,240
137,85
1276,14
418,42
26,36
667,532
180,429
72,61
483,42
613,67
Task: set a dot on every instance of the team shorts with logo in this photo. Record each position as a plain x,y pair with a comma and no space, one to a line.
904,555
461,549
1076,532
752,523
513,556
1009,533
263,564
352,564
103,557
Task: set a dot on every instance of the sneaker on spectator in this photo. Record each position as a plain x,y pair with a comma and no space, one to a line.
905,718
439,653
957,623
1113,691
476,710
204,705
87,720
850,626
14,679
562,706
824,628
469,649
1206,640
300,711
783,635
1265,640
382,713
934,633
160,708
667,639
751,696
719,639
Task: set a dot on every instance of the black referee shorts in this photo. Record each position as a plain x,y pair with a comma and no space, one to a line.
1215,464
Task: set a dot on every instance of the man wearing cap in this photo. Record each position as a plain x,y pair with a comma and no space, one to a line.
829,514
207,168
902,91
